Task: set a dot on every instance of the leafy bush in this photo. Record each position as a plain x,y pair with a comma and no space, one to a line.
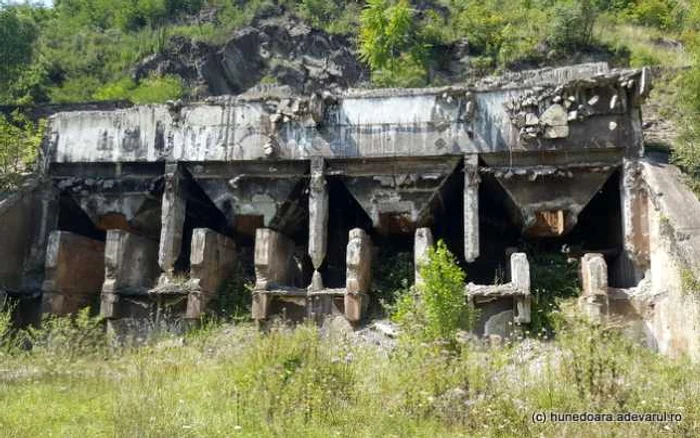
437,308
554,278
390,43
19,144
686,151
572,24
154,89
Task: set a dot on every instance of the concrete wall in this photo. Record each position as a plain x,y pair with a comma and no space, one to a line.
356,124
672,320
25,223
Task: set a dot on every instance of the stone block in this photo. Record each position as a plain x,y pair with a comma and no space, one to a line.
422,241
273,259
593,302
172,218
131,268
212,260
520,278
74,272
358,274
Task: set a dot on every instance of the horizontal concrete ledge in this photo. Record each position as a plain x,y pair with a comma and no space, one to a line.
493,291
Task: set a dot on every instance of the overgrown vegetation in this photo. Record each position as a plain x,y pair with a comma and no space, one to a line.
84,50
435,309
554,279
235,381
19,145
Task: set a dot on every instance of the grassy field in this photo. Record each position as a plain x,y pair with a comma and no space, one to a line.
233,381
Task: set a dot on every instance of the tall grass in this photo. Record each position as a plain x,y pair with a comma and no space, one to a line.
235,381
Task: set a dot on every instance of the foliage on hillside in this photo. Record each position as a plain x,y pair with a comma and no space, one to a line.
85,49
19,145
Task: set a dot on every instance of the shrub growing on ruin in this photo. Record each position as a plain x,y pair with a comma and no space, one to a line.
19,145
436,308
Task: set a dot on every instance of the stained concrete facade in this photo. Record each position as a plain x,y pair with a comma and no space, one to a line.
314,187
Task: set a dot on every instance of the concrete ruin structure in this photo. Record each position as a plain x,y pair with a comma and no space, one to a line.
310,192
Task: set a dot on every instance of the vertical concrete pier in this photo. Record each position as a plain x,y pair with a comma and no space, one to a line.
131,269
471,207
318,220
358,274
520,279
593,302
74,272
635,223
172,219
422,241
212,261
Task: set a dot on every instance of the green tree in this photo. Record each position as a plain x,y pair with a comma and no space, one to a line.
391,44
17,35
19,143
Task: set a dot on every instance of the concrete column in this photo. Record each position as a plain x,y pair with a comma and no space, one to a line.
593,302
74,273
131,268
358,274
422,241
635,223
520,279
212,260
172,219
318,220
471,207
273,259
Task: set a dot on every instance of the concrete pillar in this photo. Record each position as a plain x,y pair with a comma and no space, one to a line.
212,260
422,241
471,207
358,274
74,273
593,302
520,279
635,224
318,220
131,268
172,219
273,259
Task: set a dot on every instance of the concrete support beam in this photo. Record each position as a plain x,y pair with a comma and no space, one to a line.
273,259
471,207
520,279
74,272
358,274
131,268
212,260
318,220
594,302
635,222
172,219
422,241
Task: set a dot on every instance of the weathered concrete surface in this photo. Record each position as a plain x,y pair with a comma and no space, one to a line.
75,272
471,207
172,220
359,274
131,269
422,242
503,306
593,302
273,259
318,220
212,261
27,218
674,249
520,278
358,123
